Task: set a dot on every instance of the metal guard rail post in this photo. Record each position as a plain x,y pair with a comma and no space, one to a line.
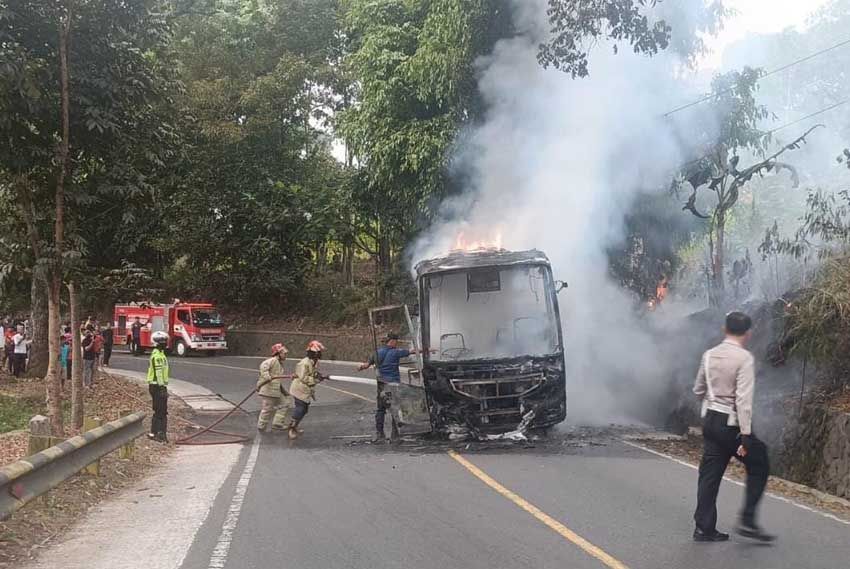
30,477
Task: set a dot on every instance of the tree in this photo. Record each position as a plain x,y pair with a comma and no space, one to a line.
647,26
80,90
735,130
258,201
416,88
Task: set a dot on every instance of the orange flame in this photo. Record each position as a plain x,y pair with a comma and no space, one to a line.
462,244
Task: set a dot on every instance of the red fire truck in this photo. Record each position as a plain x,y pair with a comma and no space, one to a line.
191,326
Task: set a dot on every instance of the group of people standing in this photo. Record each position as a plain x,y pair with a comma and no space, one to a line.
96,345
17,339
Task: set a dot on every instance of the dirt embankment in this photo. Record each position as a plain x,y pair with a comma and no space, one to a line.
45,519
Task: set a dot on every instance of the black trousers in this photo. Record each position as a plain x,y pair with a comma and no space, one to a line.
107,353
19,364
159,399
299,409
720,444
136,348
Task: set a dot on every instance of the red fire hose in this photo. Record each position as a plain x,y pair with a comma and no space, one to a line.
231,438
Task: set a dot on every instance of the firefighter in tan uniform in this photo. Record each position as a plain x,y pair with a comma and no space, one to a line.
273,396
303,388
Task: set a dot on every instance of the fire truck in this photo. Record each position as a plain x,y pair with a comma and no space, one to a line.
191,326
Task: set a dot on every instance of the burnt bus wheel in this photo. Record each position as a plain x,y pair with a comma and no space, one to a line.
181,349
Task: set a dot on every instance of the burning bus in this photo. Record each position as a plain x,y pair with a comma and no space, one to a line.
492,356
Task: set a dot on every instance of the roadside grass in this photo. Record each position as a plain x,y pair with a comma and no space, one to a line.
16,412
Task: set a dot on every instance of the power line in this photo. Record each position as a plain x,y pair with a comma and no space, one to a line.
780,127
814,114
708,97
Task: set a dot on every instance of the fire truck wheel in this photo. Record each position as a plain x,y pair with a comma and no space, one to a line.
181,349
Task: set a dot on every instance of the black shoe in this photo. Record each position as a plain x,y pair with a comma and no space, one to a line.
752,531
380,437
700,535
160,437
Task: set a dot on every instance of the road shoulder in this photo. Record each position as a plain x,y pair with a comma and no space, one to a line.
158,516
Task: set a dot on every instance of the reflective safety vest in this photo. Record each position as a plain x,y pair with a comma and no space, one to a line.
158,368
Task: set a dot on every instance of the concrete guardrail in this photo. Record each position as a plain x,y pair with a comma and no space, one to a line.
30,477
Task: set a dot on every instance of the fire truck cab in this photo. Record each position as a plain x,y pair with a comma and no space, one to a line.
191,326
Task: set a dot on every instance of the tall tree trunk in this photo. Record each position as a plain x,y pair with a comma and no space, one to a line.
38,362
348,262
54,371
77,408
718,260
383,265
54,385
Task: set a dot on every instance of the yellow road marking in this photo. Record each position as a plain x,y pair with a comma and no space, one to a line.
541,516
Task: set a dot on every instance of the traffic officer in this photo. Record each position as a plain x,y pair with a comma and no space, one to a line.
158,387
725,383
275,400
386,359
303,388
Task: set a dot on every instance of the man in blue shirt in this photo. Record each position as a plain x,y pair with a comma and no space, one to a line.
386,360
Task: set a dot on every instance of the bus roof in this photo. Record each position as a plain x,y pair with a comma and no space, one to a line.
458,260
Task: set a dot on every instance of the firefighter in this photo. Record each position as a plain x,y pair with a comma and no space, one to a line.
303,388
725,383
275,400
158,387
386,360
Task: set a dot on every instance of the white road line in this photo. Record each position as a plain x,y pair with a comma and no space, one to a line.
222,547
739,483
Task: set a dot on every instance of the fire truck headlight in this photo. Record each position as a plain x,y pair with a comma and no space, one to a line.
196,338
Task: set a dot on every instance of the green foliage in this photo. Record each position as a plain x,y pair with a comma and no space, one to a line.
647,26
824,228
417,88
259,189
122,130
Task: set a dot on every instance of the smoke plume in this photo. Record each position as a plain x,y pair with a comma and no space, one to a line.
556,165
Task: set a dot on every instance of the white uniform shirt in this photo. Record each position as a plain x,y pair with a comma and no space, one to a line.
20,342
726,381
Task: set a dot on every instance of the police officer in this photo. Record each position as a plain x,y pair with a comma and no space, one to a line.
725,383
158,387
275,400
386,359
303,388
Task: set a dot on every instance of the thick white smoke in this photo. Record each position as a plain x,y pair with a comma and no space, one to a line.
555,166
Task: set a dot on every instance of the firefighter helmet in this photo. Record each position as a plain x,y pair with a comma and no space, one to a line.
315,346
159,338
279,348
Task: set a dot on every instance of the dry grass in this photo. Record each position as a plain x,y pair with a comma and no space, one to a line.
819,319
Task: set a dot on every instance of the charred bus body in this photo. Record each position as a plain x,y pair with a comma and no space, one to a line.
489,328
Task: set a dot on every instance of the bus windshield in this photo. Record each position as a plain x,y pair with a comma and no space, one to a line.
490,313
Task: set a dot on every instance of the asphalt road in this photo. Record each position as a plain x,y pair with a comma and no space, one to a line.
580,499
